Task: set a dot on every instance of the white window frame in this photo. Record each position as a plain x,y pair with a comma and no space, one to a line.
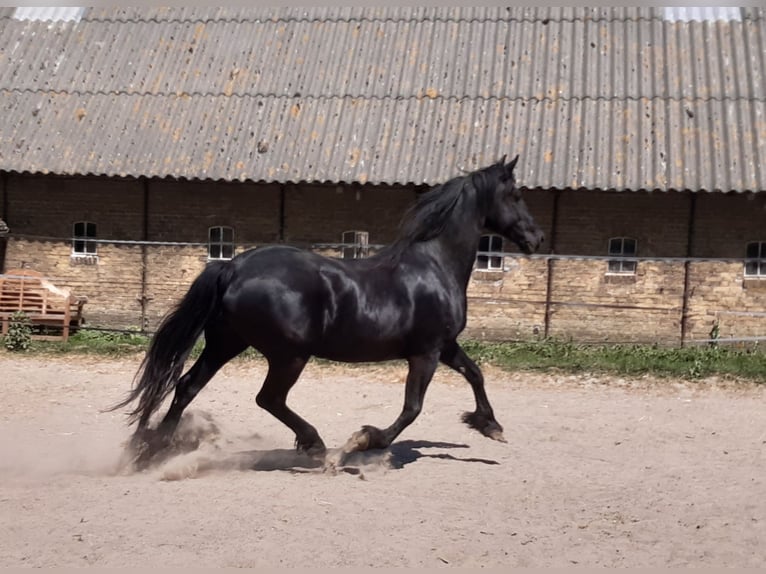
87,246
618,265
355,244
216,248
490,262
755,263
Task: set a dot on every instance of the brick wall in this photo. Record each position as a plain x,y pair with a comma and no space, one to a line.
46,207
658,221
320,214
509,304
591,304
724,224
585,302
42,207
721,294
588,304
184,212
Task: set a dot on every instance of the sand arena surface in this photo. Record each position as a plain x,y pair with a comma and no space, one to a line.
597,471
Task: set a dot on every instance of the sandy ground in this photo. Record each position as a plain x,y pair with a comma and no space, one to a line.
597,472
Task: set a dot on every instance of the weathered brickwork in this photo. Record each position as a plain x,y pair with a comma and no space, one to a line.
658,221
510,304
320,214
47,207
134,286
589,304
719,292
184,212
725,223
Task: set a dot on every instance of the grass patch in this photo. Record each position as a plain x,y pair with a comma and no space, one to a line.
688,362
547,356
92,342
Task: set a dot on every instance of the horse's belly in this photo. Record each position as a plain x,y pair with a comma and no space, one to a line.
358,348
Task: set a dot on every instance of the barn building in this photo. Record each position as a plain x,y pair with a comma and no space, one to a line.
140,143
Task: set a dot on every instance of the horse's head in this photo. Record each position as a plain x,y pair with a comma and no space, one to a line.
506,212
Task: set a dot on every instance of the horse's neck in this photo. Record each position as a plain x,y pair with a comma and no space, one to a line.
455,248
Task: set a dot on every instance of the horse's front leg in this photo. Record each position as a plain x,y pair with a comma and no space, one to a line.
482,419
421,371
282,375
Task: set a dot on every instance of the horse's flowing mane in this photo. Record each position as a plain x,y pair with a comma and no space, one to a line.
427,217
432,210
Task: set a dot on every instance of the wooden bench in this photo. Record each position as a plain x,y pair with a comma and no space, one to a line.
45,305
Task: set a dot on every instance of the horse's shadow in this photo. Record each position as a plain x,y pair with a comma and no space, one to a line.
408,451
397,456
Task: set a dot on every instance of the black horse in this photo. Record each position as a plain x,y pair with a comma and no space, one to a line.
406,302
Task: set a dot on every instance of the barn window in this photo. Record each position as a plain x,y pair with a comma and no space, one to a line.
355,244
622,247
755,264
489,244
83,236
220,243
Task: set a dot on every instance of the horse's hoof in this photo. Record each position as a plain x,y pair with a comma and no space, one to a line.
315,451
496,434
141,457
145,447
311,445
489,428
369,437
360,440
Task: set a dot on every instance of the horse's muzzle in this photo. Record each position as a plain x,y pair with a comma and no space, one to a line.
530,247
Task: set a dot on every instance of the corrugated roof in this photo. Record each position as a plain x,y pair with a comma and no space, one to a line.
609,98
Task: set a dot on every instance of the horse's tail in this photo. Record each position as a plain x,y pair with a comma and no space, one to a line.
170,347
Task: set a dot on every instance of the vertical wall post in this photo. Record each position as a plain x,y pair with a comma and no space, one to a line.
144,252
687,265
282,212
4,185
3,239
551,262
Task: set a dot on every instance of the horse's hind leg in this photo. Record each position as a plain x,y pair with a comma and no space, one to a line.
482,419
219,349
421,372
283,374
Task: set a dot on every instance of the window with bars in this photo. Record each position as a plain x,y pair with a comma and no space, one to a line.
83,235
755,264
489,244
622,247
355,244
220,243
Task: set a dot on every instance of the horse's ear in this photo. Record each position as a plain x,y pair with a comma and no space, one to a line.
510,166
